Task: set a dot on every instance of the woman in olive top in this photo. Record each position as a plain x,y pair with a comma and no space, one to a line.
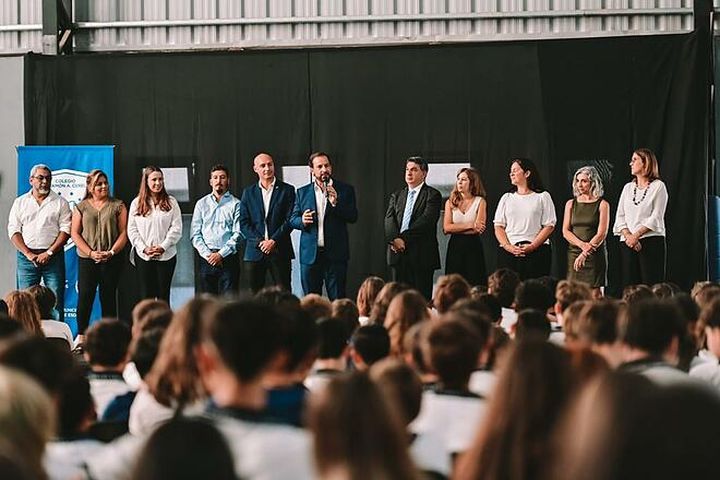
99,230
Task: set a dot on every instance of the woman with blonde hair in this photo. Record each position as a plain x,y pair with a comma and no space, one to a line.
465,220
23,309
585,226
99,230
366,295
640,222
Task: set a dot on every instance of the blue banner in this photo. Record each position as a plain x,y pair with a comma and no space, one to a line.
69,166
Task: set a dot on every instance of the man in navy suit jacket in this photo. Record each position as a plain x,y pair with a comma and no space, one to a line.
265,209
323,208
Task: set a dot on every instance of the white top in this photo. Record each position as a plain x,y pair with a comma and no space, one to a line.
649,211
709,372
455,419
523,216
267,196
55,329
430,455
157,228
39,224
320,205
509,318
459,217
482,382
146,413
104,390
66,460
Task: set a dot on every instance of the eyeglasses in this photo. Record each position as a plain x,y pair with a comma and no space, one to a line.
42,178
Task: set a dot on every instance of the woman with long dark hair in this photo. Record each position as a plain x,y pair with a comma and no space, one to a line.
99,230
524,219
640,222
464,220
154,228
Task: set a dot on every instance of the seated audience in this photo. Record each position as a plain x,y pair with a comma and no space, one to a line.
23,309
665,290
185,449
286,394
448,290
596,328
483,377
366,295
710,322
45,300
534,294
316,306
690,351
43,361
567,292
357,434
405,310
148,314
27,421
368,345
704,292
106,351
531,323
636,293
403,389
450,410
570,318
277,296
415,357
382,301
332,353
533,389
346,310
502,284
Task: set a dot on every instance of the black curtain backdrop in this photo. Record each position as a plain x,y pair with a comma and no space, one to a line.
562,103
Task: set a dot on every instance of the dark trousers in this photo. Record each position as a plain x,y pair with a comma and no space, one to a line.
418,277
92,275
332,272
534,265
646,266
279,269
219,280
155,277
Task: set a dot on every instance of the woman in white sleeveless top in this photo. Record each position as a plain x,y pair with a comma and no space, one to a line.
464,220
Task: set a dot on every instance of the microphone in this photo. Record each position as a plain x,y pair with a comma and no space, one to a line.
326,181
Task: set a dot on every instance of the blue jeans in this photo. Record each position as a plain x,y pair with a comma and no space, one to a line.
219,280
52,275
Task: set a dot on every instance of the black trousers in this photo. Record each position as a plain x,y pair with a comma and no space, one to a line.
279,269
646,266
418,277
221,280
155,277
92,275
534,265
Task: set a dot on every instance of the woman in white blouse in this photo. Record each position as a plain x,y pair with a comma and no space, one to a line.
640,222
154,228
524,219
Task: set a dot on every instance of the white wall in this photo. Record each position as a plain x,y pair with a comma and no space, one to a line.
11,135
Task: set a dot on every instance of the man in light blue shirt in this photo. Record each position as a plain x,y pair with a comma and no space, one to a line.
215,232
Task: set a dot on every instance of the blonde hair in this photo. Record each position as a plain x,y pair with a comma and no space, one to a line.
23,308
92,179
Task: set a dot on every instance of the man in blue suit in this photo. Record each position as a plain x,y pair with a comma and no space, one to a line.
323,208
265,209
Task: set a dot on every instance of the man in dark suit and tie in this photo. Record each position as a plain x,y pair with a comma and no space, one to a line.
323,208
265,209
410,229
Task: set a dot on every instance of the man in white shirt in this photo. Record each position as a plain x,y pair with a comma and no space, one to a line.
215,231
39,227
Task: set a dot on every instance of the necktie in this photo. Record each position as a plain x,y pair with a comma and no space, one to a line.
408,211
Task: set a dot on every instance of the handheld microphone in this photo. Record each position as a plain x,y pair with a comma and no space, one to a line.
326,181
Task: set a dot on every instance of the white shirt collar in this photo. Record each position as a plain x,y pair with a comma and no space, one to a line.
416,189
317,187
272,185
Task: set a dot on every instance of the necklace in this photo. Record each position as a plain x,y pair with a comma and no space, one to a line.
638,202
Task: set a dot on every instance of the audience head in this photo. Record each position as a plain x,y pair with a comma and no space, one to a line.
450,289
386,295
299,340
106,344
185,449
316,306
368,345
27,420
625,426
413,343
144,349
568,292
652,327
502,284
333,336
532,323
705,293
367,294
358,435
45,300
345,310
485,304
452,349
406,309
533,388
277,296
570,318
76,407
150,313
709,322
43,361
533,294
174,378
23,309
665,290
9,328
400,385
636,293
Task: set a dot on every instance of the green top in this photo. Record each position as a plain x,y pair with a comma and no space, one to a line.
585,220
100,228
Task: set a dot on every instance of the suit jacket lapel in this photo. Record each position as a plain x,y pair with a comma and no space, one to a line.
273,198
259,199
402,200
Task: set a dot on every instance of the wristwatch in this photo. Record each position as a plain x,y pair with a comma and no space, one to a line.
49,252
